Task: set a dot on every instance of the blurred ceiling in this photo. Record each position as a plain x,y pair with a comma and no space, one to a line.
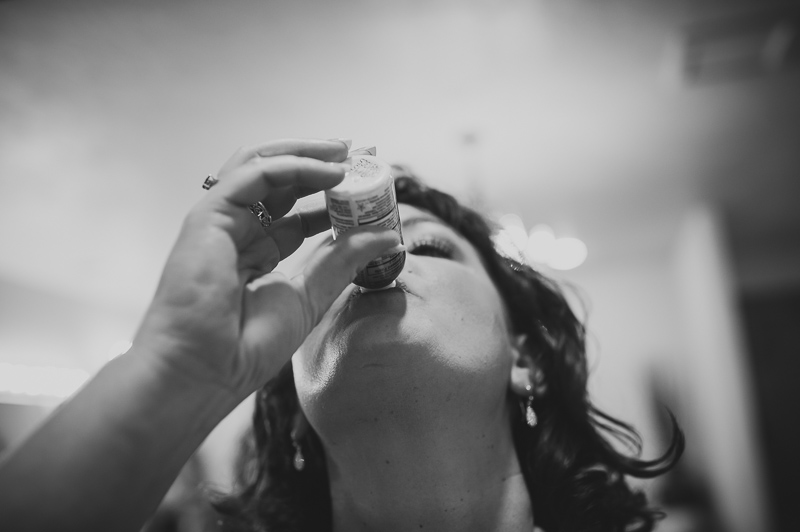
581,114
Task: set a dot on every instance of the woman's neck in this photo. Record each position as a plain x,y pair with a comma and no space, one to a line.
451,477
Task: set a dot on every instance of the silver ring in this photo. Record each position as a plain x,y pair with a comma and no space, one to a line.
210,182
257,208
262,214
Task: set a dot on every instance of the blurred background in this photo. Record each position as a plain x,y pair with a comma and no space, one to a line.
646,153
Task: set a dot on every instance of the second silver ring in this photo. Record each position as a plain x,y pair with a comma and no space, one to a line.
258,208
262,214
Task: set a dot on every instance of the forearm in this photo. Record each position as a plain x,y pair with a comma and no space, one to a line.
104,460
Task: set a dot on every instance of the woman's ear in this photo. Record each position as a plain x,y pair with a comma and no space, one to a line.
526,376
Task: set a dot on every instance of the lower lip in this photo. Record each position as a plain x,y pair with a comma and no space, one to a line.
387,287
359,293
393,290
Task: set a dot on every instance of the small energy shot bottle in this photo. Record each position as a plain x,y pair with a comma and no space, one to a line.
367,197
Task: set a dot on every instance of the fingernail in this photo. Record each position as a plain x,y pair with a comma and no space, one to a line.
346,166
369,150
346,142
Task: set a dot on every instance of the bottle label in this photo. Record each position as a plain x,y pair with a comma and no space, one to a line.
374,207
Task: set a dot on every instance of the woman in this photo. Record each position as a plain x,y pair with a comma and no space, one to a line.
399,410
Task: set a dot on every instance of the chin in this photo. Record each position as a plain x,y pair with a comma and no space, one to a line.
372,366
380,339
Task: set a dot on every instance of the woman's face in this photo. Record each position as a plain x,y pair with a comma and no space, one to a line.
437,345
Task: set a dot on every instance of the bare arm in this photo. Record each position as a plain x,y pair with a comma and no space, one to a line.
104,460
220,325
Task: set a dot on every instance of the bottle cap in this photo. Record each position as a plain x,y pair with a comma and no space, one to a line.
365,173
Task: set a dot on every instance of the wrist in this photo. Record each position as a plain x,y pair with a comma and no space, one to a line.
174,390
188,357
118,443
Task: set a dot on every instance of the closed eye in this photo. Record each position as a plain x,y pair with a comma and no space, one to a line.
432,247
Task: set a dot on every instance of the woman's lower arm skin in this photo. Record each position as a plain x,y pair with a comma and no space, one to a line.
104,459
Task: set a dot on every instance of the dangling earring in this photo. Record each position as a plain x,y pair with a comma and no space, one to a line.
530,415
299,460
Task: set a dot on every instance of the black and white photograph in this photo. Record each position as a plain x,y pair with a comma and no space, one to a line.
399,266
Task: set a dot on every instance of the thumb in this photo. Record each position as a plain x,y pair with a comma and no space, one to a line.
334,266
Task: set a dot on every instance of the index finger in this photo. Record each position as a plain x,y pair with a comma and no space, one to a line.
255,180
290,232
331,150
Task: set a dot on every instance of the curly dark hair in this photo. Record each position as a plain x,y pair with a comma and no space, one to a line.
574,474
